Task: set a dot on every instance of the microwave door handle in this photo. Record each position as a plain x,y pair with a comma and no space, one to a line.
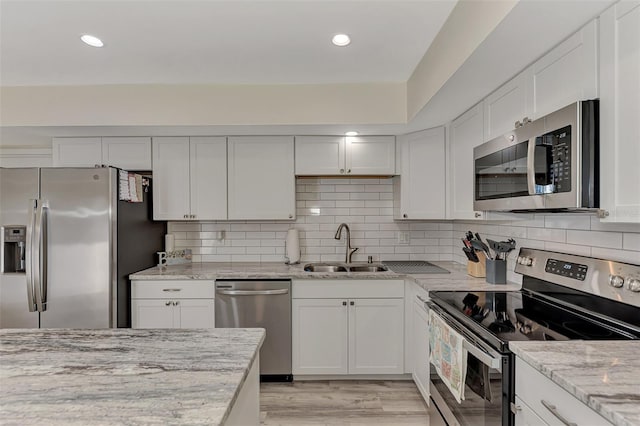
29,258
531,166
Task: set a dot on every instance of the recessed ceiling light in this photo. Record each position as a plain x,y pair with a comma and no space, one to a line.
92,41
341,40
351,133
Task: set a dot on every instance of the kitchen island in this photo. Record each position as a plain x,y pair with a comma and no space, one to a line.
126,376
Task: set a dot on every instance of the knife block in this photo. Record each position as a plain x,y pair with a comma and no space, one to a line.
478,269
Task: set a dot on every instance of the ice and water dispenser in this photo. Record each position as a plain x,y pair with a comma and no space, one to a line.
13,248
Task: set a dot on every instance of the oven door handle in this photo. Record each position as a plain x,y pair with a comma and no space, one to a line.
483,357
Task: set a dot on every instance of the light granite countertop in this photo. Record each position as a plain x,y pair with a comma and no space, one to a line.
123,376
605,375
457,279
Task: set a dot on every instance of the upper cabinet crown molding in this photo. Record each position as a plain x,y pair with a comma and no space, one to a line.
340,155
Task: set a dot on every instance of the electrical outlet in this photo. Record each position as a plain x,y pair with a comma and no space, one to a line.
404,238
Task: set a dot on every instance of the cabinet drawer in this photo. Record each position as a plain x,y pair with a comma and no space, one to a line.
173,289
532,387
329,289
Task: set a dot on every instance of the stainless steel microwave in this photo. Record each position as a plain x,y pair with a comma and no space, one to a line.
547,164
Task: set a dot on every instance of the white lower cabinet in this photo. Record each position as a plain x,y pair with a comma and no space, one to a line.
541,401
320,336
420,347
346,332
172,304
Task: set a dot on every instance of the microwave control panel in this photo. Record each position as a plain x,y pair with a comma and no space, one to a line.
558,144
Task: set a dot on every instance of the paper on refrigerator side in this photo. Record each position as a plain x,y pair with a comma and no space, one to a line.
448,355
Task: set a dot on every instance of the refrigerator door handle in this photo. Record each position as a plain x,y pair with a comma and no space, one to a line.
40,279
31,212
44,253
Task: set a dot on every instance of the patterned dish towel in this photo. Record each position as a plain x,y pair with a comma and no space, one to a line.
448,355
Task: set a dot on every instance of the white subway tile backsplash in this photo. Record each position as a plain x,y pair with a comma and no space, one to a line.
595,238
366,206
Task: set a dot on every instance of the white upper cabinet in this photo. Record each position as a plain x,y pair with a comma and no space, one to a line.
370,155
171,199
320,155
620,112
422,191
339,155
208,177
129,153
566,74
77,152
261,178
190,178
465,134
505,106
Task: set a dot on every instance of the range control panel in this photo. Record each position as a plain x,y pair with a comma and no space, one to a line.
566,269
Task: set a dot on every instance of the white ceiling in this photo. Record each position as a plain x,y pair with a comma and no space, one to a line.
213,41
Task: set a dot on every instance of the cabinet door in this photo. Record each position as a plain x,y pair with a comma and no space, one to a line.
171,178
208,163
376,336
619,112
195,313
420,348
320,155
466,133
422,178
567,74
261,177
505,106
152,313
77,152
319,336
127,153
370,155
525,416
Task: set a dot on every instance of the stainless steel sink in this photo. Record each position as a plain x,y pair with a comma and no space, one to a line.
323,267
368,268
345,267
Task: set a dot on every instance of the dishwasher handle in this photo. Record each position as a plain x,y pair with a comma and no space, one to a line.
253,292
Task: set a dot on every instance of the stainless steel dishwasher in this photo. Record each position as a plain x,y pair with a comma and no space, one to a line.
265,304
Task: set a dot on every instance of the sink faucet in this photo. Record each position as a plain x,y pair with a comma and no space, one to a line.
350,250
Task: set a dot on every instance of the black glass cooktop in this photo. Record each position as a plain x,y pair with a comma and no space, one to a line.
523,315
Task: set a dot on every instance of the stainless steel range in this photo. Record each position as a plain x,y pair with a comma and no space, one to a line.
563,297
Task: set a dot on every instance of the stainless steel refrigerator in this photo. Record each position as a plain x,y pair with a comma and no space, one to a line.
68,246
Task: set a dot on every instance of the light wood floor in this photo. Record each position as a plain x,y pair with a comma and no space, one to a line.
345,403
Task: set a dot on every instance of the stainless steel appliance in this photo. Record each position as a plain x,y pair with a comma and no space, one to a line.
550,163
80,245
264,304
563,297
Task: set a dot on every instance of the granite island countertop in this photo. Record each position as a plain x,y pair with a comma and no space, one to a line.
605,375
457,279
123,376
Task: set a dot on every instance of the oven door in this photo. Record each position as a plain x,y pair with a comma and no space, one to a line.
489,383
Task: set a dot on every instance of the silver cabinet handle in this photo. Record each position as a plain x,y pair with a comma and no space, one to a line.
478,214
349,171
176,303
352,303
29,257
173,290
290,216
342,171
252,292
405,216
185,216
552,408
167,303
344,303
